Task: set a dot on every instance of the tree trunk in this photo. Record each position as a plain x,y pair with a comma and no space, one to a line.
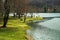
19,15
45,10
14,15
6,16
54,10
24,17
31,15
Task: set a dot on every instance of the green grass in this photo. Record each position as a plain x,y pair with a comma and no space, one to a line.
16,29
12,33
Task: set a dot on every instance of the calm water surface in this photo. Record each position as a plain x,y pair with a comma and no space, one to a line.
42,32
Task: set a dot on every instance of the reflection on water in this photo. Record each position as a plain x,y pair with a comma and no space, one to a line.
39,32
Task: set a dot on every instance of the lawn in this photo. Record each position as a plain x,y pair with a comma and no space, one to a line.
16,29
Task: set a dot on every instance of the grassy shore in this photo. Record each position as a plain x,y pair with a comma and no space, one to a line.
16,29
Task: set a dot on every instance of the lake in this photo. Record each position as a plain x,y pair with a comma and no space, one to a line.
41,14
46,30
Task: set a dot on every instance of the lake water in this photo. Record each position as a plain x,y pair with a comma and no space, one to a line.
47,30
41,14
45,14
